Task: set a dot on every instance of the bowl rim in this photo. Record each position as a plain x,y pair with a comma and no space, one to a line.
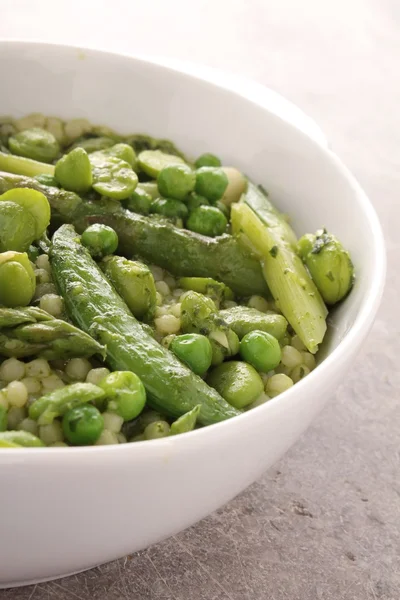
347,347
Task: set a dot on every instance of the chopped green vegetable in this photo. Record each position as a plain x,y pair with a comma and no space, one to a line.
262,228
237,382
112,176
243,320
19,439
33,202
17,280
17,227
186,422
97,308
31,331
125,394
36,144
153,162
60,401
74,172
329,264
134,282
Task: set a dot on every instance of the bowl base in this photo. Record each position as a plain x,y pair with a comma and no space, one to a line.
26,582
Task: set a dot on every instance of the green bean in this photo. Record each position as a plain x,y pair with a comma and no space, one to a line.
36,144
123,152
94,144
55,404
329,264
186,422
74,172
125,394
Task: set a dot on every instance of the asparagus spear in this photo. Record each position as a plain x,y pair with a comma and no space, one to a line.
179,251
24,166
95,307
32,331
270,236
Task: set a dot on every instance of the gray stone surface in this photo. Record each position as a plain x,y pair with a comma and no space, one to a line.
323,523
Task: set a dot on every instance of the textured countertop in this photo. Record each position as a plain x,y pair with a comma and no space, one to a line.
323,523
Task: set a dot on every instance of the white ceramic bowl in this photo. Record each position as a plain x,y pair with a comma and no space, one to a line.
65,510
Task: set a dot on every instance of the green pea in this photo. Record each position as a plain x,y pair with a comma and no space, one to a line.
100,240
195,200
261,350
211,182
33,202
139,202
74,171
126,394
83,425
48,180
176,181
237,382
207,220
3,418
156,430
17,227
112,176
169,207
35,143
207,160
194,350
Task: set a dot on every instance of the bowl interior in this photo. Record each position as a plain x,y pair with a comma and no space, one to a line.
131,95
